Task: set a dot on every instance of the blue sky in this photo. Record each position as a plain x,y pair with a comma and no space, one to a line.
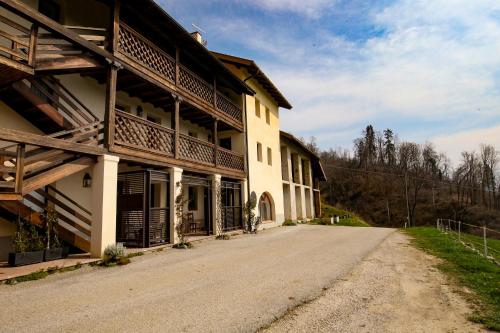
428,69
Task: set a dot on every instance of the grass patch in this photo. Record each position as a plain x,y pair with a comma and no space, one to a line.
289,223
330,211
470,269
41,274
135,254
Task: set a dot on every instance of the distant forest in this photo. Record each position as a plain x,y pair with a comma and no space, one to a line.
391,182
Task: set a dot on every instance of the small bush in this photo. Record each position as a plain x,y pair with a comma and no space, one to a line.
289,223
113,254
183,245
223,237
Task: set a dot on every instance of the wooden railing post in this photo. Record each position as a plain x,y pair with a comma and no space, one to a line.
215,141
177,63
21,149
109,115
175,123
215,93
33,43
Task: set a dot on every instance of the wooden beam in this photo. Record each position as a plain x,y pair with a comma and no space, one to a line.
33,45
68,63
109,115
21,150
56,173
215,141
41,105
176,124
115,26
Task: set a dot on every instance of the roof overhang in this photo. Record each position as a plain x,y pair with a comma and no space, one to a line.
256,73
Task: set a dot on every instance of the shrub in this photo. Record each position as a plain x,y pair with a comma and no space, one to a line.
289,223
223,237
113,255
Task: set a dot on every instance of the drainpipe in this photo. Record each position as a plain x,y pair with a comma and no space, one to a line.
246,144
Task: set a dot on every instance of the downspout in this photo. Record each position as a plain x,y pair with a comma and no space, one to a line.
246,144
246,137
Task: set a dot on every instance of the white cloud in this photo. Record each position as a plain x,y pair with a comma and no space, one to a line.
471,140
308,8
435,66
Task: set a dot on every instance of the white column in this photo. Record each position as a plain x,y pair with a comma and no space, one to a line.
293,203
104,192
244,199
175,188
216,213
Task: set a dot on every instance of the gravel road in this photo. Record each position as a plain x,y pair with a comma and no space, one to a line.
239,285
394,289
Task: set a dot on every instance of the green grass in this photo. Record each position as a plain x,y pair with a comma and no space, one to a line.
330,211
289,223
468,268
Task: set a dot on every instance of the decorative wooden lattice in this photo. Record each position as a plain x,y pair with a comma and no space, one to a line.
196,150
228,107
195,85
143,134
133,45
231,160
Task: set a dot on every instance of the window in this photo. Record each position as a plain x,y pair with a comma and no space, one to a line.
257,107
269,156
50,9
225,143
193,198
268,116
259,152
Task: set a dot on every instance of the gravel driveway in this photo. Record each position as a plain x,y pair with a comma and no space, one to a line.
237,285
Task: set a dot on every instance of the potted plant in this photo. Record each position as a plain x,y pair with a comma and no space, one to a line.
53,248
28,245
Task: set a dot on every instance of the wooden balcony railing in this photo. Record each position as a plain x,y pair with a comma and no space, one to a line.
230,159
142,51
142,134
132,44
196,150
17,44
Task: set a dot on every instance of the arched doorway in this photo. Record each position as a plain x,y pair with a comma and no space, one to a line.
266,207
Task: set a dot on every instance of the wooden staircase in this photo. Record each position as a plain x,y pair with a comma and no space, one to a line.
26,49
75,221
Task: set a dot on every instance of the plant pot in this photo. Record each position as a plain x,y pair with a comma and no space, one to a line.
55,253
25,258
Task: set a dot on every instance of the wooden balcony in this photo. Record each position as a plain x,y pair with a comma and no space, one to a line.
137,137
147,58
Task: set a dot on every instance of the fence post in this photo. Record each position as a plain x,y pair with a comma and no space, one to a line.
485,243
459,223
437,224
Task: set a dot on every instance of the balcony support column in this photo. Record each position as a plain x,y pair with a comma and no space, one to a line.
215,140
175,123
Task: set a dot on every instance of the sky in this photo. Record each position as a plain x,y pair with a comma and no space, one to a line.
427,69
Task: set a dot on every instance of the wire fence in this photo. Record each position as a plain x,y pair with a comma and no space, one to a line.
480,239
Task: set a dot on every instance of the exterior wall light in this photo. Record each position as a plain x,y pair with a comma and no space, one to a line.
87,181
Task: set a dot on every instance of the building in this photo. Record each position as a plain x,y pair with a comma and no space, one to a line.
302,173
109,110
262,137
